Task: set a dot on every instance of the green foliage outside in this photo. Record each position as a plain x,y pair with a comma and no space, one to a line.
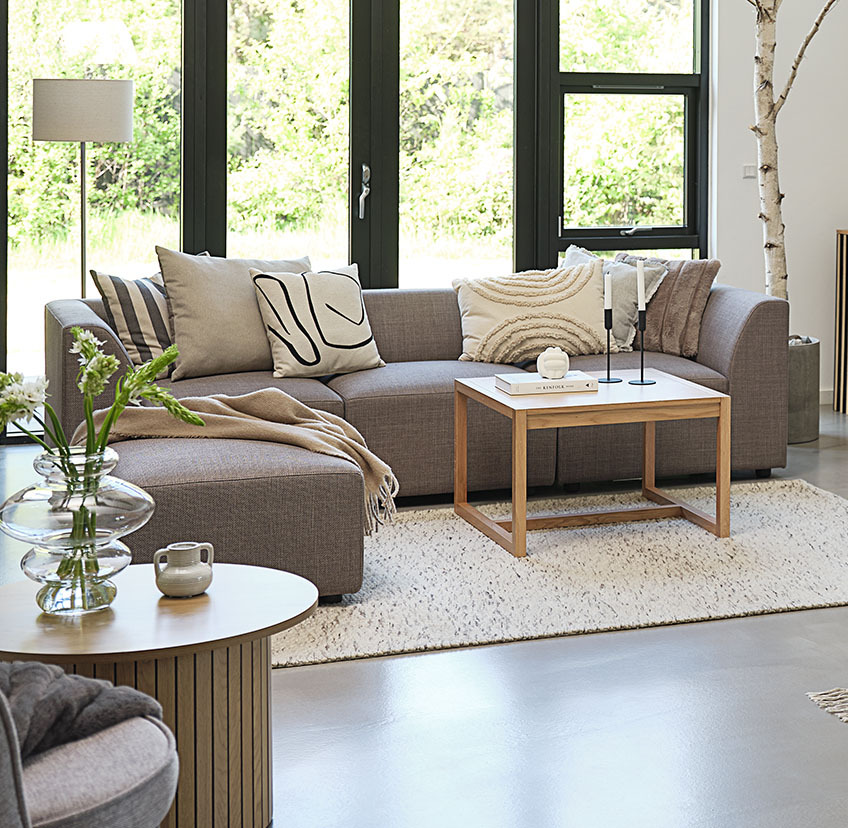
288,121
142,176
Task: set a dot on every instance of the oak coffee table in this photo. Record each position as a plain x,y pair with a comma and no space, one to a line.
671,398
206,659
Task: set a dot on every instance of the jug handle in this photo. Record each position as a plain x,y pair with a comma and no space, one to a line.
157,560
210,552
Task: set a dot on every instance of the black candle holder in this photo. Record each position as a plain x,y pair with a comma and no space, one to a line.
642,325
608,326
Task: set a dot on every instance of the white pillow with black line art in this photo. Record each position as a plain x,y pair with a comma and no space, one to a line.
316,322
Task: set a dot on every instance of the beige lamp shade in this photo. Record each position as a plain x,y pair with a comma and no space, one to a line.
71,109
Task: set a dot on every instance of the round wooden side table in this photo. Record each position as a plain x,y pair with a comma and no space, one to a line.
206,659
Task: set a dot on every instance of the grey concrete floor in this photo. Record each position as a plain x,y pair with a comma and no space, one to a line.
703,725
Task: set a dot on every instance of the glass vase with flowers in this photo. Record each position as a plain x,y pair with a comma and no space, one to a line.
76,516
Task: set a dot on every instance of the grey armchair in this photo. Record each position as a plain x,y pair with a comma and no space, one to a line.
123,777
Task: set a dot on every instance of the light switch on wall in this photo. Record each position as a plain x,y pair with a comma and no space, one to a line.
749,171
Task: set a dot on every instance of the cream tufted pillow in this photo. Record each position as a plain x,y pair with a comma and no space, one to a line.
508,319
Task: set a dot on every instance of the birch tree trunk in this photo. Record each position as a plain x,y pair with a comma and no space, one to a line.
765,128
766,110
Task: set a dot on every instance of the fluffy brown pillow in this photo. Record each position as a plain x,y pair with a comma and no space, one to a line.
674,314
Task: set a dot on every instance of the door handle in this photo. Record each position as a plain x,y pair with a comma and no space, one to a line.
366,189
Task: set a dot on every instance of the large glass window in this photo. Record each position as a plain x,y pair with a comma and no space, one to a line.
288,129
626,36
632,124
624,160
608,102
456,140
133,189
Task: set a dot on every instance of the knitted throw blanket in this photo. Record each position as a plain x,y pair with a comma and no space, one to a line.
273,416
52,708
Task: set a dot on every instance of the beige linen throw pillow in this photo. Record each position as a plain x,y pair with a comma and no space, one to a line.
214,315
316,322
508,319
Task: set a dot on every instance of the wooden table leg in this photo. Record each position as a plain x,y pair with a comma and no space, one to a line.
649,457
519,484
460,448
723,469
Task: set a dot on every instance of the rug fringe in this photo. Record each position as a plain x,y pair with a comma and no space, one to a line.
833,701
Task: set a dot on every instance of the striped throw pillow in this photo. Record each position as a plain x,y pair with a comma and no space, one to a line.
137,310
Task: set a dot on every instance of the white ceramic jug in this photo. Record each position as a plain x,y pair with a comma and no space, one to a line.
184,574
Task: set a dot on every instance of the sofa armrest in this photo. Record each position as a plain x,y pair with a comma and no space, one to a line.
62,367
13,810
745,336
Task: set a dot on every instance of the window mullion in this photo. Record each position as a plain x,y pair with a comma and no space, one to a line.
627,82
203,220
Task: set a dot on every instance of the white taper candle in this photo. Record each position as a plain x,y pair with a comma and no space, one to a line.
607,291
640,284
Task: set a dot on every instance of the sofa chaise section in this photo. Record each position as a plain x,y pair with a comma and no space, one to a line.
266,504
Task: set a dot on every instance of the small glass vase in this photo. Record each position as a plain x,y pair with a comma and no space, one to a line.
75,519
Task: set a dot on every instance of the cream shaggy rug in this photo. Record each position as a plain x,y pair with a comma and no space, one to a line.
433,581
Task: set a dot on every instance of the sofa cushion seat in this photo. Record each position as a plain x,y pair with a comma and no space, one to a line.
405,413
266,504
311,392
677,366
125,775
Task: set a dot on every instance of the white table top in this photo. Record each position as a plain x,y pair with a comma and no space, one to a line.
668,388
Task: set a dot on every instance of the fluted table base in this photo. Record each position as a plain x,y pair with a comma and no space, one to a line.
218,705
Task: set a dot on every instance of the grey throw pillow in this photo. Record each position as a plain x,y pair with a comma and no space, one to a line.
625,306
316,322
215,318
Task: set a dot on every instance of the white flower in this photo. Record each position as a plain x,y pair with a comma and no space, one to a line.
19,399
83,339
96,372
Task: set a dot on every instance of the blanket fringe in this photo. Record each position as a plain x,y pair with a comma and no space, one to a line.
833,701
380,506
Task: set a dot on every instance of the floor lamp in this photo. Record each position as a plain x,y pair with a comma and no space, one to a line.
65,109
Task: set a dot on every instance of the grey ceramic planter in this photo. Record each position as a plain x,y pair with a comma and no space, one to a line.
803,389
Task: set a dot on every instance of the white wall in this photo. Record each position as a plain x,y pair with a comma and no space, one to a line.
813,137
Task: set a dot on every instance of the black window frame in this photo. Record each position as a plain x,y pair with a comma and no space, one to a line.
541,231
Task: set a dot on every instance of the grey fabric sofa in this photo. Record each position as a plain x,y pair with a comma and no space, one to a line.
405,410
124,776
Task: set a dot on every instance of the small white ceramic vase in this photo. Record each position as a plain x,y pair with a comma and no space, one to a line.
552,363
184,574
